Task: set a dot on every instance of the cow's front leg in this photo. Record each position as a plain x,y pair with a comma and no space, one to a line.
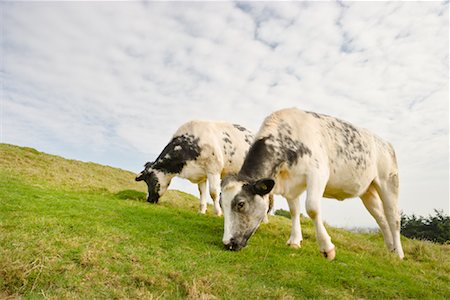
315,189
295,240
214,191
202,190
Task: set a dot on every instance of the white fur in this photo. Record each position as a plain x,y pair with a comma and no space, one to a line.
230,191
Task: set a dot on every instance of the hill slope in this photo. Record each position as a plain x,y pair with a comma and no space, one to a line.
71,230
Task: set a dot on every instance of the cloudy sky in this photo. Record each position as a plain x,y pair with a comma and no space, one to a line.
110,82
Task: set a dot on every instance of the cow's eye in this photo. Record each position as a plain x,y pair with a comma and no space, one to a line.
240,204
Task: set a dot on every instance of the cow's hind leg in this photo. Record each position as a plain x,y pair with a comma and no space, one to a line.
202,190
266,217
388,191
314,191
373,203
214,191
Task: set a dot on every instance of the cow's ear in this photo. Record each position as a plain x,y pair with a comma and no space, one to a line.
140,177
263,186
149,164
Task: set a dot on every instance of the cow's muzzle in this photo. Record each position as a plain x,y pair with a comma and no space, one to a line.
234,245
152,200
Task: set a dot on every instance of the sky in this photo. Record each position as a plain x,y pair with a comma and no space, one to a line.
110,82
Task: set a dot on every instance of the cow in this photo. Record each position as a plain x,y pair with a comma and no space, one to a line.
297,150
200,151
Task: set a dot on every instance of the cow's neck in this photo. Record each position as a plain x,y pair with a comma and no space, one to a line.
177,153
262,160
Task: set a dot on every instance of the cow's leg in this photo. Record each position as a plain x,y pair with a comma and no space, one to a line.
388,191
202,190
373,203
295,240
214,191
266,217
314,191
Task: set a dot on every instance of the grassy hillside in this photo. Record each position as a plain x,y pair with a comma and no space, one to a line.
80,231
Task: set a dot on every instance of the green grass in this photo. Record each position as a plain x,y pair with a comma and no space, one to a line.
76,230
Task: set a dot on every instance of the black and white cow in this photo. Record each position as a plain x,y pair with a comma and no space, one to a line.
199,151
295,151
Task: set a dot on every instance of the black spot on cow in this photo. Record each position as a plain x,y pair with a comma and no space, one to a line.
303,149
249,139
291,150
248,134
233,152
227,140
239,127
284,128
315,115
172,159
350,145
316,163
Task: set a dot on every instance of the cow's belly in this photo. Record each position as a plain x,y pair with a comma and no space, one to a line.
193,172
348,180
341,194
350,186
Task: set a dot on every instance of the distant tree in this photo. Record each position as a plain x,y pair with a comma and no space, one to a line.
283,213
434,228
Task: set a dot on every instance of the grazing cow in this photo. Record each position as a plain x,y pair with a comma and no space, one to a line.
199,151
297,150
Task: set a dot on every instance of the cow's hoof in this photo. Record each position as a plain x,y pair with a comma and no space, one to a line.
295,246
330,254
202,212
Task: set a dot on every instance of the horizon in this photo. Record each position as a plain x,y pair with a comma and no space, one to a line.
183,185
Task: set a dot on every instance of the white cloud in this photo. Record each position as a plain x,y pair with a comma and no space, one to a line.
111,82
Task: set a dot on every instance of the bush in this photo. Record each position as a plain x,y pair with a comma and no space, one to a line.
283,213
434,228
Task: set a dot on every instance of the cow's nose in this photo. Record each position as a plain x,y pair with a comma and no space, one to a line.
232,245
153,199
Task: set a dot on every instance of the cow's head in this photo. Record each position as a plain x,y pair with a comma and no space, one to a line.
156,180
244,204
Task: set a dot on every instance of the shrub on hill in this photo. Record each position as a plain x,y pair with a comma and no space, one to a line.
283,213
433,228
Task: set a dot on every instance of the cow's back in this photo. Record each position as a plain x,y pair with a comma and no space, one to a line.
352,157
223,145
